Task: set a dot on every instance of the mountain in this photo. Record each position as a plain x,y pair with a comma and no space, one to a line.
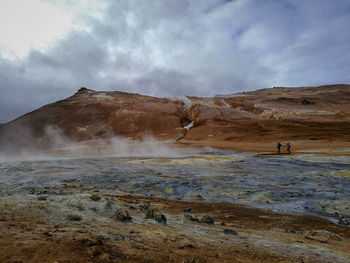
302,115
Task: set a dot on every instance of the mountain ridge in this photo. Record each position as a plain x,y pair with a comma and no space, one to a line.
263,116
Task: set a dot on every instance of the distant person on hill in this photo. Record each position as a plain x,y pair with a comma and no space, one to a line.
288,145
279,145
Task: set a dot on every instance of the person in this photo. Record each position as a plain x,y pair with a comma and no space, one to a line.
279,145
288,145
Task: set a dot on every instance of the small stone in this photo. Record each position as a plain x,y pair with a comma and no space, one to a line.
187,210
291,230
122,215
143,207
343,222
230,232
46,233
104,257
94,251
95,197
119,237
109,204
207,219
73,217
42,198
149,214
186,245
91,239
191,217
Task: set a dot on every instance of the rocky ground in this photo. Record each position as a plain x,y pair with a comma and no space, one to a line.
77,223
85,221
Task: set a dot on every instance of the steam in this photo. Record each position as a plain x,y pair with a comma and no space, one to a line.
187,102
53,143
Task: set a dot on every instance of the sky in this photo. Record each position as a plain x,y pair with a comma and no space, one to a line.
164,48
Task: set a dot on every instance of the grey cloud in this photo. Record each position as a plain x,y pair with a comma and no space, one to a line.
201,48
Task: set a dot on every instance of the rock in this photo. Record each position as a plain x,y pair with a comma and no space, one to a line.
105,257
159,217
187,210
42,198
343,222
156,215
207,219
94,251
143,207
73,217
108,205
119,237
91,239
191,217
230,232
186,245
306,102
95,197
291,230
122,215
322,236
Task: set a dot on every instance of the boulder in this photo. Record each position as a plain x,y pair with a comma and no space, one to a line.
207,219
322,236
159,217
156,215
121,215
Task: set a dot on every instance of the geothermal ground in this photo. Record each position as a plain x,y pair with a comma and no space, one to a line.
194,208
119,177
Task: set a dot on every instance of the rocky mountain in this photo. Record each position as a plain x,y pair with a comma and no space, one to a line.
304,114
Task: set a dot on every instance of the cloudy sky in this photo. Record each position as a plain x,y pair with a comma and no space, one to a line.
50,48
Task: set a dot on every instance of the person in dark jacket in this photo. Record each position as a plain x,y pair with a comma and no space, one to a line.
288,145
279,145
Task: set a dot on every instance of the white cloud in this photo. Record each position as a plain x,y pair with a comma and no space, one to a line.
30,24
165,48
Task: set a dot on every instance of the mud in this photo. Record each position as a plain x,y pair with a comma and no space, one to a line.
287,208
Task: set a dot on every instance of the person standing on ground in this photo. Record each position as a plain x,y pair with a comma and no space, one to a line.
279,145
288,145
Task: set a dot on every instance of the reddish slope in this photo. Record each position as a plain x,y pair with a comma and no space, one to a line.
311,115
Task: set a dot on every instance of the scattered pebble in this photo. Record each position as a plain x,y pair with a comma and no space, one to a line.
230,232
73,217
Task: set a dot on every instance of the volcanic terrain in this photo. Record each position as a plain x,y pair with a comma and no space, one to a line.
308,117
120,177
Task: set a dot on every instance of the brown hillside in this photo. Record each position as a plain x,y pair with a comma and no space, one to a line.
306,116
